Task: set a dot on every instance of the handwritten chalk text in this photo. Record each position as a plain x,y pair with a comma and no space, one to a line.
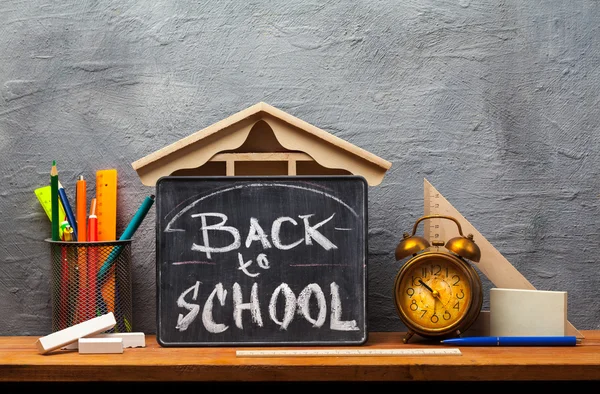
292,306
256,233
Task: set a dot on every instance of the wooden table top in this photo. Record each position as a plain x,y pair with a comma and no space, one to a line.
21,362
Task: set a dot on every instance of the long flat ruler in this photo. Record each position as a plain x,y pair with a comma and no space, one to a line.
492,264
348,352
106,204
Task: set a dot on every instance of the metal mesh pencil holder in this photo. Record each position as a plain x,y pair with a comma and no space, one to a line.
90,279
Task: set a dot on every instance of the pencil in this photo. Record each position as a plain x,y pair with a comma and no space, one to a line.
127,234
54,202
93,222
105,275
85,302
71,263
63,302
66,230
68,210
68,301
92,259
81,209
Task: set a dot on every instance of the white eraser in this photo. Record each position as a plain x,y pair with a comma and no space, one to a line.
130,339
100,345
518,312
71,346
72,334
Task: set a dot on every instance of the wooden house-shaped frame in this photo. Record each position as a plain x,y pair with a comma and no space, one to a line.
261,140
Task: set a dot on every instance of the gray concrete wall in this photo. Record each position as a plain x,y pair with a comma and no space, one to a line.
495,103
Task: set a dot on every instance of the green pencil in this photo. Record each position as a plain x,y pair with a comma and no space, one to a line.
54,202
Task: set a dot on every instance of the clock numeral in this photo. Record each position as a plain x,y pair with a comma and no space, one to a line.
447,315
436,269
410,291
434,319
413,305
415,281
424,272
457,305
457,280
460,295
424,313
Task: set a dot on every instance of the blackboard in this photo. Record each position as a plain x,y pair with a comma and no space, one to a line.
261,260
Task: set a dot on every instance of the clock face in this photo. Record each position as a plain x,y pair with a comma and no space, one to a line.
434,292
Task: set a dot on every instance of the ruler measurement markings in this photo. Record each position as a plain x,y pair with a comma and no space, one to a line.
348,352
433,207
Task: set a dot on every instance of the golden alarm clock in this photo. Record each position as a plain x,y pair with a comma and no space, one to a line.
438,293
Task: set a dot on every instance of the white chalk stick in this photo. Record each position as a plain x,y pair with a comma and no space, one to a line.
100,345
72,334
527,312
130,339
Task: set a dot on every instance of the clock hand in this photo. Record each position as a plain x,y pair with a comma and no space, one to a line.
434,293
439,298
425,285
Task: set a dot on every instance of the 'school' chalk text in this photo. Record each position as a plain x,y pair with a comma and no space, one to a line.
293,305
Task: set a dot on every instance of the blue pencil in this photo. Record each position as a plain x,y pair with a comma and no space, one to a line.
127,234
112,256
68,209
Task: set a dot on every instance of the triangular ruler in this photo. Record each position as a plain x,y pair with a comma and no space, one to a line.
492,264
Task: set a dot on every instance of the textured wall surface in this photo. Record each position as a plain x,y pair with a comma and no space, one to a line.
495,103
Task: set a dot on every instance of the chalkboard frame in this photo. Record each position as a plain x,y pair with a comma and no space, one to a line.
363,329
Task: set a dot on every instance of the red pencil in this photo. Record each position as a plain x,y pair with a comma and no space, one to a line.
63,301
80,204
92,262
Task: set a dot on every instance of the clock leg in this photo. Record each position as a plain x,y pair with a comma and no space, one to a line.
408,335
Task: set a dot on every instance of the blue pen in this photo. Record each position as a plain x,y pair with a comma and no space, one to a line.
68,210
514,341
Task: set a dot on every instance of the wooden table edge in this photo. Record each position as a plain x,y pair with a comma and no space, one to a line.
20,362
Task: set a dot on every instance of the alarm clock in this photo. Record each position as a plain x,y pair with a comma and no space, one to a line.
437,292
